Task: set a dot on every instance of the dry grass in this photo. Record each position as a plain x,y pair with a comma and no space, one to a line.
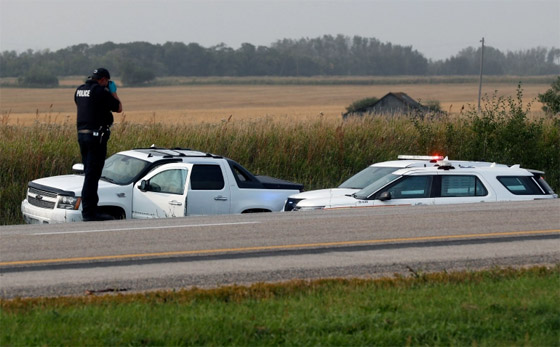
215,103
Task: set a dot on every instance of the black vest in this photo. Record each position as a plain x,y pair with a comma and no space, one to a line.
94,104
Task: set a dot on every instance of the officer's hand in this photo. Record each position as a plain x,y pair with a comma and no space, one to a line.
112,87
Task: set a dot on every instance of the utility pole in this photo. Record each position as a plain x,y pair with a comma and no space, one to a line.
480,80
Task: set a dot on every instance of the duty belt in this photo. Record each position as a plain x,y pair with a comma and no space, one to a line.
102,130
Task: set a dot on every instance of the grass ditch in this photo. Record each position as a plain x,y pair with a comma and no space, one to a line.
493,307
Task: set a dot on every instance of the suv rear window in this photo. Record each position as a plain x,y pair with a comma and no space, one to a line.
520,185
543,184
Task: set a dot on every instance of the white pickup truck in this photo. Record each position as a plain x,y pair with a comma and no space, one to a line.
159,183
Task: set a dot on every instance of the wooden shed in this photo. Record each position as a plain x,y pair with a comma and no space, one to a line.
390,104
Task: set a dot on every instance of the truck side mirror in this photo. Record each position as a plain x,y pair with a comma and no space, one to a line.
144,185
385,196
78,168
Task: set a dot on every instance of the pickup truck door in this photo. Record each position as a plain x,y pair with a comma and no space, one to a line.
209,190
162,193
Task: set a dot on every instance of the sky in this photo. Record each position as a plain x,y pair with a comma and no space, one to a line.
438,29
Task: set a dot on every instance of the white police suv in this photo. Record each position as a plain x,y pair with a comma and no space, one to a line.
373,173
446,182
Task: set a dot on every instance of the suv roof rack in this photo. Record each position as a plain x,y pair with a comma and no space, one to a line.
175,152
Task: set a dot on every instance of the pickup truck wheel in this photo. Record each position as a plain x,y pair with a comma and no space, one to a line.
256,210
116,212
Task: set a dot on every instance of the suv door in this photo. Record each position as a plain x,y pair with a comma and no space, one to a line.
209,192
409,190
460,189
162,193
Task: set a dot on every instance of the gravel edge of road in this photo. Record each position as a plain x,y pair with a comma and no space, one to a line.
372,271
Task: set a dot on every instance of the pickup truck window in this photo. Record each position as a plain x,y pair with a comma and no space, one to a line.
243,177
122,169
207,177
169,181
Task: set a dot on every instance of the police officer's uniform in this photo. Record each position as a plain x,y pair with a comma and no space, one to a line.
94,103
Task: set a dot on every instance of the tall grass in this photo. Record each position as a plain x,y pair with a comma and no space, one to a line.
320,153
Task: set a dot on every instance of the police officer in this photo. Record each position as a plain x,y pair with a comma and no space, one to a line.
95,99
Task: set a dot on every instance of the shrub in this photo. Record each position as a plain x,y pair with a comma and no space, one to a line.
133,75
38,78
551,98
361,104
501,131
433,106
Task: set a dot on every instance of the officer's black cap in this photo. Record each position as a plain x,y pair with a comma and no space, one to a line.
100,73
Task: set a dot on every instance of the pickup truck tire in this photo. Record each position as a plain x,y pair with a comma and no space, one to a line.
116,212
256,210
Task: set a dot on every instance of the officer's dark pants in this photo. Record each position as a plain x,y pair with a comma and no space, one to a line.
94,151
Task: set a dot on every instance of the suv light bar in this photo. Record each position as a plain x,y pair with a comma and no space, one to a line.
420,157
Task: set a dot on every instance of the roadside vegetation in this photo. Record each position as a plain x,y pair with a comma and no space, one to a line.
318,153
498,307
551,98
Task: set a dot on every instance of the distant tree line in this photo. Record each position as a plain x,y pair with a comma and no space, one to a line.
138,62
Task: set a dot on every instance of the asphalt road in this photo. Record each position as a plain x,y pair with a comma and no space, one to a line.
95,257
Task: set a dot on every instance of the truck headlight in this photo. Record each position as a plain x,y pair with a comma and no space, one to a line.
68,202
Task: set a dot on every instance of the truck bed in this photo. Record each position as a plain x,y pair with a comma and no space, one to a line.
276,183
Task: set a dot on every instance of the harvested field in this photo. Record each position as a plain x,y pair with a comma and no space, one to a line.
215,103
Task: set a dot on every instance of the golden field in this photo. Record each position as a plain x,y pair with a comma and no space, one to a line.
188,104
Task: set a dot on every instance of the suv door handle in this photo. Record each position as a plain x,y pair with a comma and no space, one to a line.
220,198
175,203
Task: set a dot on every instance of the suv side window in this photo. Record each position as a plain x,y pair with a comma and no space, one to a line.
207,177
520,185
411,187
459,185
169,181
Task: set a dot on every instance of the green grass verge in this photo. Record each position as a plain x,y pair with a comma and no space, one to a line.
497,307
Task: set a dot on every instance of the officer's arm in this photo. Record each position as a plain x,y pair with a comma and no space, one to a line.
120,104
113,90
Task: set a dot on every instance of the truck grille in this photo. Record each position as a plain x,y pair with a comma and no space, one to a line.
42,192
40,203
41,198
